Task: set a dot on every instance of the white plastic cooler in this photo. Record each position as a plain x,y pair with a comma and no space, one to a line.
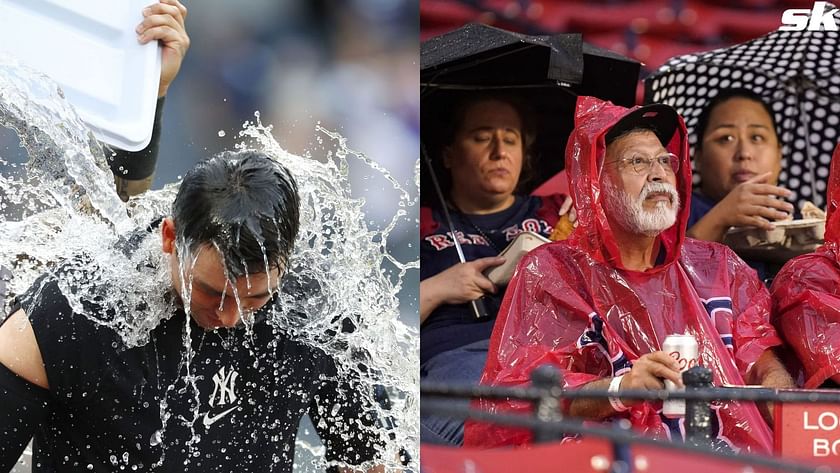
90,48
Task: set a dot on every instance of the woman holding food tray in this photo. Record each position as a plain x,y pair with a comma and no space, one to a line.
738,156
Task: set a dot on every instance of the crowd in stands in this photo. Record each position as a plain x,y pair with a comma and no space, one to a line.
644,259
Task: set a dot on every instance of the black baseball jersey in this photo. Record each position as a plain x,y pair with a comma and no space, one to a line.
233,405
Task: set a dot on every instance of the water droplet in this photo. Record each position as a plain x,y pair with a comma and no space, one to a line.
221,133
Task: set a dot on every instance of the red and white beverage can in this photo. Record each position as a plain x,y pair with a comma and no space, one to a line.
683,349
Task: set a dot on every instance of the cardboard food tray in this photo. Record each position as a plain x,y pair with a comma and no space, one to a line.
790,238
521,245
90,48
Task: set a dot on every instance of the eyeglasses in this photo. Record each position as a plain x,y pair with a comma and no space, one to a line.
639,164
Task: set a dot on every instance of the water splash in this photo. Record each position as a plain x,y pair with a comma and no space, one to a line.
62,150
350,263
61,214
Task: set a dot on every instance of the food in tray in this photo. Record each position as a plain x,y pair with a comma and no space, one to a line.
803,233
809,210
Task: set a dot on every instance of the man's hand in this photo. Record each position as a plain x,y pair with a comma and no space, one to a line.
649,372
458,284
753,203
164,21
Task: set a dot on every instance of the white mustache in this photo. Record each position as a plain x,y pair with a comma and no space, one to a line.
659,187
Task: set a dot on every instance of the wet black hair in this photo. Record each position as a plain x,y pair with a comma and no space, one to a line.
723,96
244,203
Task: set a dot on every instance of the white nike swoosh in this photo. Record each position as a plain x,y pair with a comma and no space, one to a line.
208,421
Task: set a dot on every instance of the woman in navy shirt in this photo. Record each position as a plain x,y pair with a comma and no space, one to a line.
484,154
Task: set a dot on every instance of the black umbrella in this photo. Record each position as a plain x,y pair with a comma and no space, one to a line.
545,72
798,75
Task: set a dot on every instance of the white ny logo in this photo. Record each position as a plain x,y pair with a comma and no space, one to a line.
224,385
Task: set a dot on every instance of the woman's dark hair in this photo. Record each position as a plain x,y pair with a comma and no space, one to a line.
723,96
245,204
453,120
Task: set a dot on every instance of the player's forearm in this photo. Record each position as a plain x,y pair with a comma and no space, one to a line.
134,171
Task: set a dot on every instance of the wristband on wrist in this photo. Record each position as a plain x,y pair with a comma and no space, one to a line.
615,402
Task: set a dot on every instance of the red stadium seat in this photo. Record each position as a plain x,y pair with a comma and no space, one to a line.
558,184
589,455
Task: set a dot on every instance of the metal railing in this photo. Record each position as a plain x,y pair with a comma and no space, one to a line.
547,423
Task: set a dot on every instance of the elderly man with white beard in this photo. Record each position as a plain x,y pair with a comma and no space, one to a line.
599,305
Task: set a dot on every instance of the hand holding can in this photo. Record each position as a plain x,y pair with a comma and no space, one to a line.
684,350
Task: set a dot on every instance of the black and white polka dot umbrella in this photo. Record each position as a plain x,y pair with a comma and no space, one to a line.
798,75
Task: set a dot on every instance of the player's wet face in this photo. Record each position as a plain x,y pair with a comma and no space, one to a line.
215,301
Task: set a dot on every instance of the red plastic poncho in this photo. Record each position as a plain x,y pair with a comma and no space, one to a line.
573,305
806,297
